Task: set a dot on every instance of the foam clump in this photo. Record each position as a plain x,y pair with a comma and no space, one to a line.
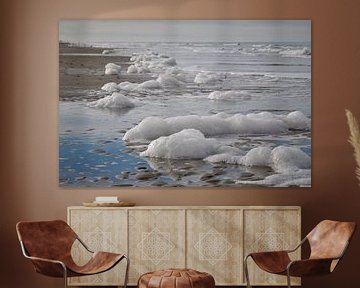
150,62
137,69
147,85
114,101
297,120
229,95
281,159
296,52
207,78
300,177
285,159
112,69
106,51
169,81
225,158
186,144
219,124
149,128
150,84
259,156
110,87
128,86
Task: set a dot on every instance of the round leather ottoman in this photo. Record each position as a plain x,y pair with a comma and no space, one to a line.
176,278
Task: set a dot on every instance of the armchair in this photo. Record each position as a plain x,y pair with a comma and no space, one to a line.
328,242
48,245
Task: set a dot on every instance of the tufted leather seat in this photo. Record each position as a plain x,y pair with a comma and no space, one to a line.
176,278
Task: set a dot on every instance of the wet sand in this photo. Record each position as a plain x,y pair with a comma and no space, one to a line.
82,71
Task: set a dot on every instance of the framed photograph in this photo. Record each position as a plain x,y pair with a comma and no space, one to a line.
169,103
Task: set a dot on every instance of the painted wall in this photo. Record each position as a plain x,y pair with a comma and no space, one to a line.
29,117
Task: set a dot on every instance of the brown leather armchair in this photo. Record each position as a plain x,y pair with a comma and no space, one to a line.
48,245
328,242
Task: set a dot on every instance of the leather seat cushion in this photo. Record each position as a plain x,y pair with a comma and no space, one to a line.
176,278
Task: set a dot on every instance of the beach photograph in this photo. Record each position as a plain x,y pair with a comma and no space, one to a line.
184,103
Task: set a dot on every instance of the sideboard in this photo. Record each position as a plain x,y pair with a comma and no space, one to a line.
212,239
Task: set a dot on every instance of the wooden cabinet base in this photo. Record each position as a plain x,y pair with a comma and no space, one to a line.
208,239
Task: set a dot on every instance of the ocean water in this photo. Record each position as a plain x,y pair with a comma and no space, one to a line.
274,78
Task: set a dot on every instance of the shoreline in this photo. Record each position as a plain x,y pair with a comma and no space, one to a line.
82,69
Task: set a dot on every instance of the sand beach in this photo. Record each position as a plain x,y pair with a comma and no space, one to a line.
81,68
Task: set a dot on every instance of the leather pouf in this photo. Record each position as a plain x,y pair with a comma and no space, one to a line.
176,278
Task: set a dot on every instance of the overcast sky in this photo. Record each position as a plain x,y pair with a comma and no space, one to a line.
185,30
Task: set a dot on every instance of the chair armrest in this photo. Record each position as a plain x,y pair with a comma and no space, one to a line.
271,261
48,267
309,267
298,246
83,244
268,253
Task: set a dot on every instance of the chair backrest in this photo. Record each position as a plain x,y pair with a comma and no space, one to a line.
46,239
329,239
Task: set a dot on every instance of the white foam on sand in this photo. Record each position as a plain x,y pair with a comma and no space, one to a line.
114,101
110,87
287,159
151,62
300,177
208,78
151,128
291,164
300,52
150,84
282,158
186,144
112,69
164,81
229,95
139,87
169,81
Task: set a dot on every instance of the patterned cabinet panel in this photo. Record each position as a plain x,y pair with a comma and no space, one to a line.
271,229
214,244
101,230
156,240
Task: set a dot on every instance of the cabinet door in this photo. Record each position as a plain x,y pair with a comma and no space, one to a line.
101,230
214,244
156,240
270,230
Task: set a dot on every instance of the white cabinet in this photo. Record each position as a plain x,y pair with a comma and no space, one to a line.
211,239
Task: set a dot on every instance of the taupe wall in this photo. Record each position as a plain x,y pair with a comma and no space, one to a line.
29,117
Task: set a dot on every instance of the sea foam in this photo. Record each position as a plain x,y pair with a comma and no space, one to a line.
151,62
114,101
282,159
186,144
208,78
229,95
112,69
219,124
300,177
110,87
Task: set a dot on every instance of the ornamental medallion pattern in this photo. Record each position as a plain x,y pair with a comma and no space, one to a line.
155,246
270,241
213,246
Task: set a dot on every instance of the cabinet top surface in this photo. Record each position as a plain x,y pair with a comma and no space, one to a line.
192,207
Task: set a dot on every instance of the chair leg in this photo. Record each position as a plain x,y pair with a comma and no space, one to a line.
65,276
288,278
126,271
246,270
